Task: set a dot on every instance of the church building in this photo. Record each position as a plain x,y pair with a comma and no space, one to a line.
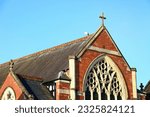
89,68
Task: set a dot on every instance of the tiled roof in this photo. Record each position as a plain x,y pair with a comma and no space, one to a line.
34,87
45,64
147,88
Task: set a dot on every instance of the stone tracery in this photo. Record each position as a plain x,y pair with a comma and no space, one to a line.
103,83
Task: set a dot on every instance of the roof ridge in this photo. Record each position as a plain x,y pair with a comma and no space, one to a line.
49,49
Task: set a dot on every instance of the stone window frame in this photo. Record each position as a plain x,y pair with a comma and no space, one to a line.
11,92
124,94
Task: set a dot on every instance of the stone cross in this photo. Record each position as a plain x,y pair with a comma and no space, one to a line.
141,86
103,18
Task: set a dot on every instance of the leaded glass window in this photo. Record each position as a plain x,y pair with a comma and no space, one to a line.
103,82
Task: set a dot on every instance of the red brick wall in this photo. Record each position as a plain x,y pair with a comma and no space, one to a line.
10,82
103,40
62,86
62,96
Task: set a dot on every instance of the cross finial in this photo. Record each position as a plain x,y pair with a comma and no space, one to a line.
11,63
103,18
141,86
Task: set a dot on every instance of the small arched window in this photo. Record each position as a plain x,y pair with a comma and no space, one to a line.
104,81
8,94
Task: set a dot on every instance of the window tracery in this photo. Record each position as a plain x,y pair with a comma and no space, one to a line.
103,82
8,94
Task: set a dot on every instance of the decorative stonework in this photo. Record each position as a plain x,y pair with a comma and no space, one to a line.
8,94
104,81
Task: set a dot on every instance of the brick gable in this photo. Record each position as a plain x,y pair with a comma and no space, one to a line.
104,46
10,82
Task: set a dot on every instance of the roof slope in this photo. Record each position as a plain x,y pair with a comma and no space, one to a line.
147,87
45,64
34,87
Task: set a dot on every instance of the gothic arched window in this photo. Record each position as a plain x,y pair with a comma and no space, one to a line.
104,81
8,94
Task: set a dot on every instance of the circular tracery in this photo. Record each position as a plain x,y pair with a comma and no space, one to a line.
103,82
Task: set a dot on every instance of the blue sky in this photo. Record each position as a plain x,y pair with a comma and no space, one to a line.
28,26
